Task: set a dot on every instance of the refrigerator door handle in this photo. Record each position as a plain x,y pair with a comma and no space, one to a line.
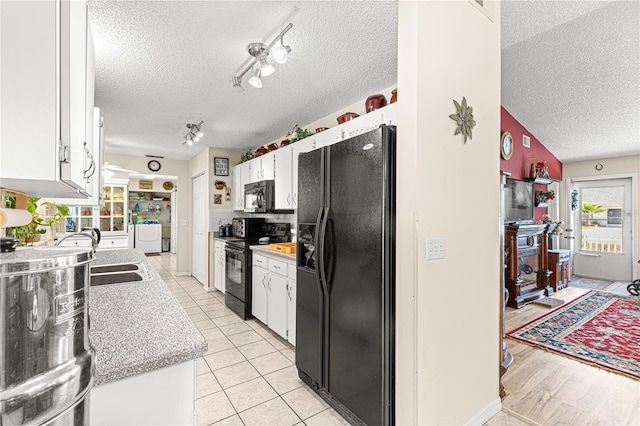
321,250
319,243
329,256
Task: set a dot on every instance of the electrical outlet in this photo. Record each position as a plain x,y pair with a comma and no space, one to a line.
435,248
185,222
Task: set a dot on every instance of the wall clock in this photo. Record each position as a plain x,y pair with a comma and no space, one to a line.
506,145
154,165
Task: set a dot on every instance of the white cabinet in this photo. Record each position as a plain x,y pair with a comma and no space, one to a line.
241,176
220,266
283,178
94,175
44,97
259,277
261,168
273,299
291,304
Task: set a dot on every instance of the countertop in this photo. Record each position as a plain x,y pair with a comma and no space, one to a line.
265,249
138,327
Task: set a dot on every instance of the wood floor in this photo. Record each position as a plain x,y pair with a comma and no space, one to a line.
549,389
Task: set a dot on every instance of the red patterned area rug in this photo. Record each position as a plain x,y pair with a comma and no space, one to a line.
598,328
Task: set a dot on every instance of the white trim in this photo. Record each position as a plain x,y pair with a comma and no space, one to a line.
483,416
183,274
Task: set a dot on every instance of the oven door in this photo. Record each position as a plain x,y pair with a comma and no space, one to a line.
235,273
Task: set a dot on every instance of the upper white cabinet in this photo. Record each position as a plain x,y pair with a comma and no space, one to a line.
47,89
282,177
241,176
305,145
261,168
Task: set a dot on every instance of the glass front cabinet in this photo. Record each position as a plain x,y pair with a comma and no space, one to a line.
111,219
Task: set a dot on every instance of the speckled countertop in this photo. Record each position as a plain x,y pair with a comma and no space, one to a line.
138,327
265,249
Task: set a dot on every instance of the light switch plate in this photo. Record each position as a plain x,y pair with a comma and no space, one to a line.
185,222
435,248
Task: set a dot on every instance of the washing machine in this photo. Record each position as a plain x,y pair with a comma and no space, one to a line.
149,237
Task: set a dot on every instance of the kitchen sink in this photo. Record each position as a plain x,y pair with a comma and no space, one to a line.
119,273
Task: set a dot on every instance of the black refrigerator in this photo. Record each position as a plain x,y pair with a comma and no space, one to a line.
345,310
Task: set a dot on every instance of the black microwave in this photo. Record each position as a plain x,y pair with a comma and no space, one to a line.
258,197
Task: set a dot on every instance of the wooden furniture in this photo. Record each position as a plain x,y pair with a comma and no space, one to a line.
560,265
526,260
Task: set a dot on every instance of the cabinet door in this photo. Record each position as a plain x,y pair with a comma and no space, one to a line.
291,311
283,193
238,187
246,178
259,293
267,164
43,83
220,272
90,151
277,304
73,80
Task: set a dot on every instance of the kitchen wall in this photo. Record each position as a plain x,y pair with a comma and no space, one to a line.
447,310
611,167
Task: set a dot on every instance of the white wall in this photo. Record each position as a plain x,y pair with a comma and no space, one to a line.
610,167
447,310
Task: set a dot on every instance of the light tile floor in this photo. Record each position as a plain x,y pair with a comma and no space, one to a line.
248,375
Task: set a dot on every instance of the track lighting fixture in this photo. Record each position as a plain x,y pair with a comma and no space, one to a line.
194,134
260,53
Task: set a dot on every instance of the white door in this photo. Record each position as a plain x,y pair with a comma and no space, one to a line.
277,306
199,240
173,243
259,279
602,226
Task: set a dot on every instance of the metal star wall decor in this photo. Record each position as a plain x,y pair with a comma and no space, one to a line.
464,118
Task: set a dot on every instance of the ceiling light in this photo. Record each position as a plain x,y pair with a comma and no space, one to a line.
280,52
266,68
255,80
259,52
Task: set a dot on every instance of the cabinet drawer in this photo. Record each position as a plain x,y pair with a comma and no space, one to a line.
259,261
220,245
278,267
114,242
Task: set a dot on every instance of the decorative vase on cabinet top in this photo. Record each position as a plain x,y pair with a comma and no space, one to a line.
321,129
346,117
284,143
272,147
394,96
261,151
374,102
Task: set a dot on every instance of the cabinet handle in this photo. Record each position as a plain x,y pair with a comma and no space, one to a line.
276,266
294,198
289,199
269,283
64,154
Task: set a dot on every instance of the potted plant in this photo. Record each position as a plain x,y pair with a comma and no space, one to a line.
31,232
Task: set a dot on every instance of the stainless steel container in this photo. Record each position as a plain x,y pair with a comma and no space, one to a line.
46,360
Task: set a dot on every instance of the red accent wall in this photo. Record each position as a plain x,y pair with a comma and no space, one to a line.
519,165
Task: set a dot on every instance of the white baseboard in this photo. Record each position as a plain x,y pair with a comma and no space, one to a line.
182,274
482,416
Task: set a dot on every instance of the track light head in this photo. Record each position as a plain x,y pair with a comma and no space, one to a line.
280,52
255,79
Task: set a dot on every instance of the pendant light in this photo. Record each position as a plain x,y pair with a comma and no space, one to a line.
255,79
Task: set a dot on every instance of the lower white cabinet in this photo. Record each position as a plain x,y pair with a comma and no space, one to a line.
165,396
273,298
114,241
220,266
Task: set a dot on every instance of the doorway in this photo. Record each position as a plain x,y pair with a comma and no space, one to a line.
603,228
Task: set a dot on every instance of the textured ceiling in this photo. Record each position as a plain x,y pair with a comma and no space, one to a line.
575,82
161,64
570,70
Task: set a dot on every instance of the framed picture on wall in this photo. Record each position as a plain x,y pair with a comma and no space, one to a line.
221,166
